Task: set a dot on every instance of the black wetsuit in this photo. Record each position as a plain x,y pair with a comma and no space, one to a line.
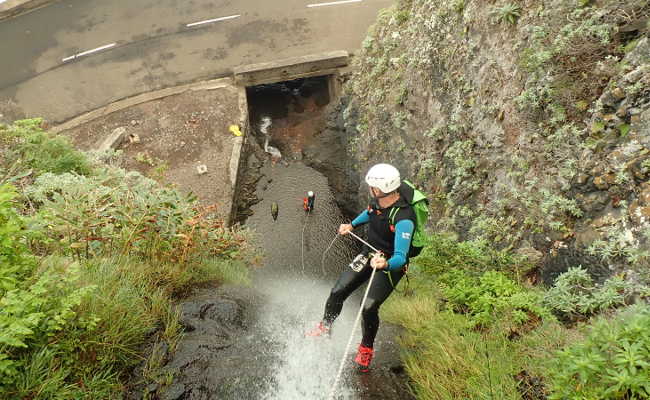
382,237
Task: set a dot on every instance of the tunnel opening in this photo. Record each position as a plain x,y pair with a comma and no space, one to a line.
284,121
286,115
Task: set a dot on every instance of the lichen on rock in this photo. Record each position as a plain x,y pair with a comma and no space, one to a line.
523,130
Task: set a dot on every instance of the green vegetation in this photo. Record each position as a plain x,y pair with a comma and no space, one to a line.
490,294
474,331
528,137
507,146
575,294
509,13
33,148
91,258
613,362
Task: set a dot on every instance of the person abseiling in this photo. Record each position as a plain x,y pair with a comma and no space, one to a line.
394,241
308,202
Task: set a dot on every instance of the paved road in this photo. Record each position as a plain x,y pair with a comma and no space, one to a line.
151,46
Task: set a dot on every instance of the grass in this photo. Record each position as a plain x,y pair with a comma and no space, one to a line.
443,357
447,356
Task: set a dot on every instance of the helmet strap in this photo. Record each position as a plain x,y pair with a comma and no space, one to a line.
377,197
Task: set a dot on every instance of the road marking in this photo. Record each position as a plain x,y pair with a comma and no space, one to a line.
333,3
85,53
208,21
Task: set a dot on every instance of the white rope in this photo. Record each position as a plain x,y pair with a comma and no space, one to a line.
322,259
356,323
364,242
302,243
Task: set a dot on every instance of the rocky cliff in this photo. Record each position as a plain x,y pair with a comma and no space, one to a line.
527,122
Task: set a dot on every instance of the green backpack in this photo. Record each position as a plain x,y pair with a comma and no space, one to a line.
420,205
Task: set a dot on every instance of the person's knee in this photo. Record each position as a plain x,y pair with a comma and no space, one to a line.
338,293
371,307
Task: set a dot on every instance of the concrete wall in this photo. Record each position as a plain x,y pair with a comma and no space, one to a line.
293,68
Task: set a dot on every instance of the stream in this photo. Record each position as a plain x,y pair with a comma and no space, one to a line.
249,343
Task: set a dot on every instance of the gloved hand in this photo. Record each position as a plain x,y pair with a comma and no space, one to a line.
378,261
344,229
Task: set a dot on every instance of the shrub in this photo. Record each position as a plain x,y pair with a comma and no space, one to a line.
43,152
35,304
613,362
90,273
118,212
491,296
16,262
575,294
443,253
444,357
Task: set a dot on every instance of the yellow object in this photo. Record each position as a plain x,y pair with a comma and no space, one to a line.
235,130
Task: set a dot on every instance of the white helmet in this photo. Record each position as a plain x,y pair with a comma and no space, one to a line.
384,177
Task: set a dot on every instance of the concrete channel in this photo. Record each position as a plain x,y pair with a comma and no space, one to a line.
110,125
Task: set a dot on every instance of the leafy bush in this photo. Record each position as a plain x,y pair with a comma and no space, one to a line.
575,294
491,296
447,358
30,316
444,357
35,305
612,363
444,252
16,262
118,212
43,152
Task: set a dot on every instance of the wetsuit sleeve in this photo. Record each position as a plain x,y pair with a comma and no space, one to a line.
403,233
361,219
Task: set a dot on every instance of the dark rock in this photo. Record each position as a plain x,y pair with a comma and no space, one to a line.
618,93
638,213
173,392
603,182
581,179
640,54
609,100
532,255
634,76
190,312
224,311
161,352
637,169
593,202
612,120
569,257
151,388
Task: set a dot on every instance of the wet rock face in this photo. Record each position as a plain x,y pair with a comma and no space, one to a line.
211,315
329,154
214,357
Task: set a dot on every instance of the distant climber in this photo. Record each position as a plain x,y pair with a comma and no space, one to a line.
390,235
308,202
